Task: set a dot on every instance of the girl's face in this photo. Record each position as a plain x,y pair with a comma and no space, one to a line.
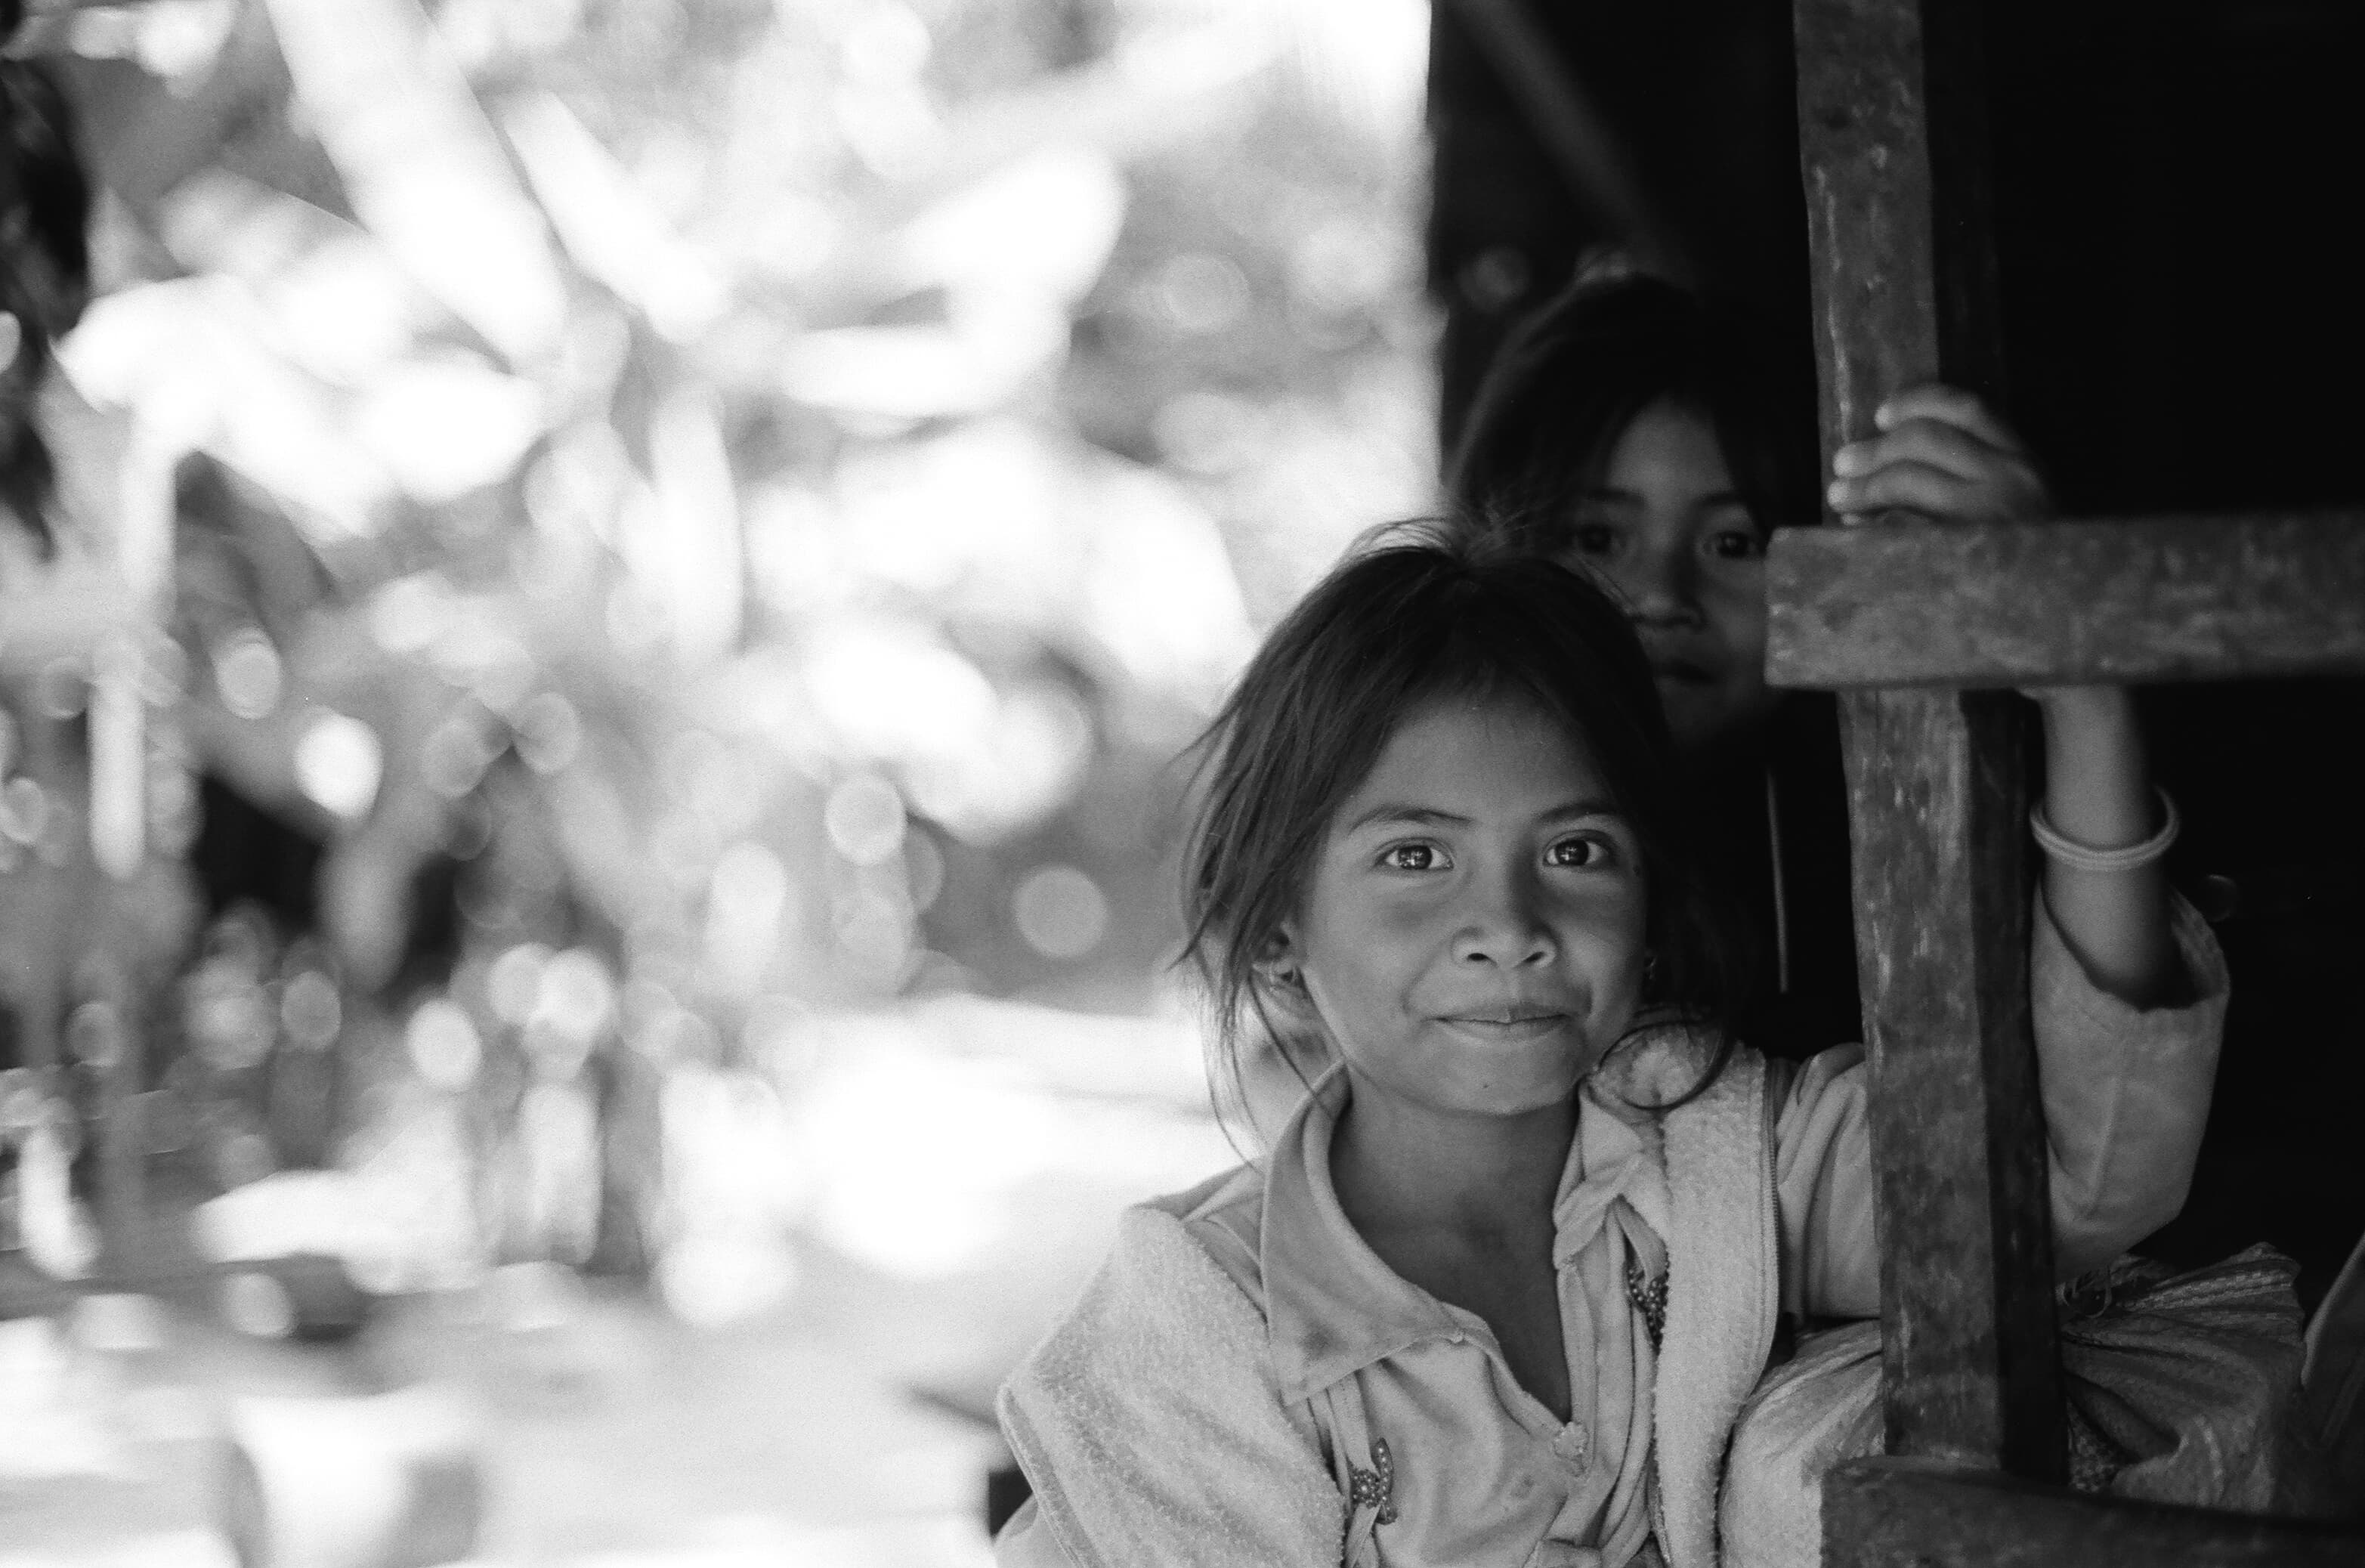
1665,528
1472,937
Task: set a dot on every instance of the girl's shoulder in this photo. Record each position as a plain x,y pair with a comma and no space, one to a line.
1163,1281
1225,1215
1110,1415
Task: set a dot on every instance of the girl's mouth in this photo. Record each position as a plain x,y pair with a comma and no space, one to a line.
1509,1028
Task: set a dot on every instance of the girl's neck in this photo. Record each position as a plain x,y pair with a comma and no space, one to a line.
1400,1166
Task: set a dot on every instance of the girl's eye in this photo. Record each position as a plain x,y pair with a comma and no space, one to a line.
1412,858
1588,538
1577,854
1736,544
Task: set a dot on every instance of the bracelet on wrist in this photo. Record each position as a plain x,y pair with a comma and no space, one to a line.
2078,856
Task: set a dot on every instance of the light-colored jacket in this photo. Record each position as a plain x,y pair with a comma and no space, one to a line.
1156,1428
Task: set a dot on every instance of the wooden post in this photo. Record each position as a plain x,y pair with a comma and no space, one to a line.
1892,147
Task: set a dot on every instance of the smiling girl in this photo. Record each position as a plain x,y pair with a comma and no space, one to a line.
1500,1288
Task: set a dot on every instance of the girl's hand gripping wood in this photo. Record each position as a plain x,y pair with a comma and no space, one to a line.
1944,456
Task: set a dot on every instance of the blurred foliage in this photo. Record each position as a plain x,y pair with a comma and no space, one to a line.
708,514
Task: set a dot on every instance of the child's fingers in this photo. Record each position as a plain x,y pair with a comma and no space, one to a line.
1990,485
1948,404
1941,445
1904,487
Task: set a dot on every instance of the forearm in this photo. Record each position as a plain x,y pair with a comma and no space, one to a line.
2098,794
2126,1089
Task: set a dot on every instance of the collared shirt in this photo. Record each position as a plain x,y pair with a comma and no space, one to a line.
1481,1471
1432,1377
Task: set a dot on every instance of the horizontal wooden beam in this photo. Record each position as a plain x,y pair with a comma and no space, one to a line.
2020,604
1882,1512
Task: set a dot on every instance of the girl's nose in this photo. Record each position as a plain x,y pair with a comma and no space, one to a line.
1658,585
1503,928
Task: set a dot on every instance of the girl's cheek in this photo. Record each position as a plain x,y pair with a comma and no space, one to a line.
1740,588
1612,921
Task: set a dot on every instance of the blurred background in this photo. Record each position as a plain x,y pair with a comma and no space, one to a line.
598,599
590,731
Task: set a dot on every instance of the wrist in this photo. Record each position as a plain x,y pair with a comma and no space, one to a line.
2128,854
2090,732
2075,707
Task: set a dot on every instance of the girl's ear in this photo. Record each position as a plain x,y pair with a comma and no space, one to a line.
1283,1000
1281,978
1276,966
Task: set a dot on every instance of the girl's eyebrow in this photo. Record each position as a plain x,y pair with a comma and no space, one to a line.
1391,813
1577,809
1714,499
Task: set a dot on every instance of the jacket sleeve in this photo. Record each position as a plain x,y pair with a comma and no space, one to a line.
2126,1094
1151,1426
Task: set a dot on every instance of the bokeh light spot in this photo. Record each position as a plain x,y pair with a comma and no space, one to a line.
514,982
548,731
310,1010
577,995
338,764
1199,293
865,819
876,931
925,864
61,689
253,1303
1060,912
24,811
443,1045
248,674
455,756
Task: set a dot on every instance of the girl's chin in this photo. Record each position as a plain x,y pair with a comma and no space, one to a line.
1503,1090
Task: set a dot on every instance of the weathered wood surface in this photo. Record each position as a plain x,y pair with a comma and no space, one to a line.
1892,145
1893,155
2012,604
1882,1512
1942,891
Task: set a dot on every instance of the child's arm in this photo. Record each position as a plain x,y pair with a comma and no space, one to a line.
1941,453
2128,998
2096,794
2126,1095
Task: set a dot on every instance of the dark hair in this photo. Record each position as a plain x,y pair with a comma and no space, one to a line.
1571,378
44,267
1407,624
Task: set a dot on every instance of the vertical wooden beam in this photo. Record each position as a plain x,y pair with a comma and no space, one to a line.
1892,149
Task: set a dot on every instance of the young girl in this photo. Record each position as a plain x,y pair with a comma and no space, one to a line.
1651,439
1501,1286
